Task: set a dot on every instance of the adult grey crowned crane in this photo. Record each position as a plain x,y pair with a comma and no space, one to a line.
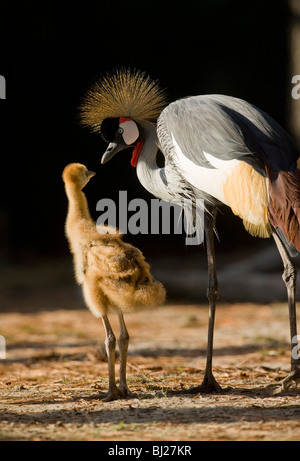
217,148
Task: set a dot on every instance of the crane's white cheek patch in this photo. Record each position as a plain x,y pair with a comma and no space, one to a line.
131,132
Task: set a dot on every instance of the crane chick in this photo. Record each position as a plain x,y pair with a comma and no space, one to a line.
113,274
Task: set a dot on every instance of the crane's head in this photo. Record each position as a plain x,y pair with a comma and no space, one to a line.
77,175
118,105
121,133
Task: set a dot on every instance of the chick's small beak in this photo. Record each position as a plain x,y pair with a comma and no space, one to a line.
90,174
113,149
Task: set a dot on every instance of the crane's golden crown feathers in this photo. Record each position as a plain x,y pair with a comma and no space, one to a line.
124,93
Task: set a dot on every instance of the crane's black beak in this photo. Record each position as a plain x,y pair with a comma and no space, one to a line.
113,149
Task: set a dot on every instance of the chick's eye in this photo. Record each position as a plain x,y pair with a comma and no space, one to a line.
120,131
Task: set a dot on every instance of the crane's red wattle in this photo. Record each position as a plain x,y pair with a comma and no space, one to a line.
136,152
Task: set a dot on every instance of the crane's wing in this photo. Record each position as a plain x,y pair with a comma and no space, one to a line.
226,128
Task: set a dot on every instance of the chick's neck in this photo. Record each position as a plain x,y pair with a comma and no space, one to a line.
78,206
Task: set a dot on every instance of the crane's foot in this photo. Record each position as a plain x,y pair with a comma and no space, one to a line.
113,394
209,385
125,391
288,381
116,393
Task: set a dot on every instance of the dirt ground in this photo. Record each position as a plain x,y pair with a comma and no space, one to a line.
55,372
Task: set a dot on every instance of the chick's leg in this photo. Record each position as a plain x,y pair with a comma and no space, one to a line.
110,344
123,342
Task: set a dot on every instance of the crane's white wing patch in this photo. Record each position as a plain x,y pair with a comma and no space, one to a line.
209,180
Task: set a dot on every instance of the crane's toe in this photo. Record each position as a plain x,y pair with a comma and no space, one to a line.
209,385
125,392
113,394
288,381
116,393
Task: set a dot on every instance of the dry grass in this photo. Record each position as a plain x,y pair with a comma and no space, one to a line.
55,373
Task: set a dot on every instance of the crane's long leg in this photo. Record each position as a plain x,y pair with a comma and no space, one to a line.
209,384
289,277
123,342
110,344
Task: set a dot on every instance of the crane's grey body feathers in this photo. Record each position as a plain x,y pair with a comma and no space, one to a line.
227,128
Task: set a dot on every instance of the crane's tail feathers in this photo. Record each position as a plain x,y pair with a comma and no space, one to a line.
284,207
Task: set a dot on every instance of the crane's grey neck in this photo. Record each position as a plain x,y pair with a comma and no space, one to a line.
167,184
150,175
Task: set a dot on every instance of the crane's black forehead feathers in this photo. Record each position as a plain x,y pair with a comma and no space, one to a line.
109,127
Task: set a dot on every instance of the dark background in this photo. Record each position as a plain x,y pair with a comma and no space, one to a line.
50,54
